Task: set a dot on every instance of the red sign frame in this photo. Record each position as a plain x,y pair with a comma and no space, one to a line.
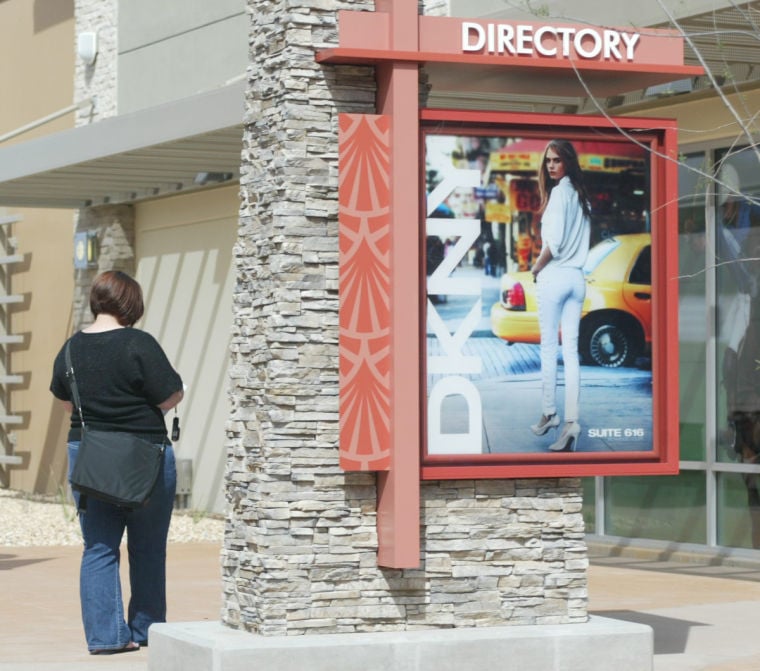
395,39
660,138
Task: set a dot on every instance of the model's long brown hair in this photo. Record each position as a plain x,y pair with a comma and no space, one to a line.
566,151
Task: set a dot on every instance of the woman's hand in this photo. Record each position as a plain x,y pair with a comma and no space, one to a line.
173,400
543,258
538,266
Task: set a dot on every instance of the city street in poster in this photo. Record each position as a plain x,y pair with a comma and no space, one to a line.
482,235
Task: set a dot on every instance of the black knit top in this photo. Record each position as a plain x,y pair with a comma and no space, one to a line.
122,375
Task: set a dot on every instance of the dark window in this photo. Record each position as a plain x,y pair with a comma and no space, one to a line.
641,273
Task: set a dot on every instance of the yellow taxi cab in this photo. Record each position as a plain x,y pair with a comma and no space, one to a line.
616,321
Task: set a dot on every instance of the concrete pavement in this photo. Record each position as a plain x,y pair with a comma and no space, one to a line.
508,388
40,624
703,609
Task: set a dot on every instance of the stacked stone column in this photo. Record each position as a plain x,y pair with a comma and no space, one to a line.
300,546
113,225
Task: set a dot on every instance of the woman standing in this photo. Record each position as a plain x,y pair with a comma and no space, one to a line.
565,231
126,383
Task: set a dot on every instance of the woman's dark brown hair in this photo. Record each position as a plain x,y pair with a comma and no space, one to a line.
115,293
566,151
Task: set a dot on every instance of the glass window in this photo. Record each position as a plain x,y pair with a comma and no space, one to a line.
737,250
722,266
598,253
589,504
668,508
738,510
692,309
641,273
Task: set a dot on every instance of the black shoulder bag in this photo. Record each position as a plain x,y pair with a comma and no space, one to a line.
113,466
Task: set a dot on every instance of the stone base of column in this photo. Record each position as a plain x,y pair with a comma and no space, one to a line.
600,644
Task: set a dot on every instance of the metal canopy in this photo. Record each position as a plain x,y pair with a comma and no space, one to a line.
160,151
145,154
726,38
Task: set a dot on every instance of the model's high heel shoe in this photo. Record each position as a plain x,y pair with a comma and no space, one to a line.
568,439
545,423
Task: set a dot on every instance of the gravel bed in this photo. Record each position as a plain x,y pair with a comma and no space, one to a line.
30,520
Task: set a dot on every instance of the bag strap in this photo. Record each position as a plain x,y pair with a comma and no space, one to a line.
73,382
82,507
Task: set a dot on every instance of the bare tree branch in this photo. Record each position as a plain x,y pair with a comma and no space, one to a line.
716,85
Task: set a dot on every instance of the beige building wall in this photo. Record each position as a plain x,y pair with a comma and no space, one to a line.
707,119
183,248
36,80
36,64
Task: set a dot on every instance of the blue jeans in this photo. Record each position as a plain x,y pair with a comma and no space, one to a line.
147,529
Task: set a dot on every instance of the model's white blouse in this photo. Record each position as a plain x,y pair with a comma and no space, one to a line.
565,229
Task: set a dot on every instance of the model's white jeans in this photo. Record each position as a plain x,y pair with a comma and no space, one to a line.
560,298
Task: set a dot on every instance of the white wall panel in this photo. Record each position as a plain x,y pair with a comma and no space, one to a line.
164,57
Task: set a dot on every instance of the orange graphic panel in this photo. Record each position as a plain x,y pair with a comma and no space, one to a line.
364,286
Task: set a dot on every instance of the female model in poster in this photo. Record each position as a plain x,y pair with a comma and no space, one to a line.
558,271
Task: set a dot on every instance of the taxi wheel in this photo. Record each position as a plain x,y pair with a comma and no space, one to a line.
610,341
